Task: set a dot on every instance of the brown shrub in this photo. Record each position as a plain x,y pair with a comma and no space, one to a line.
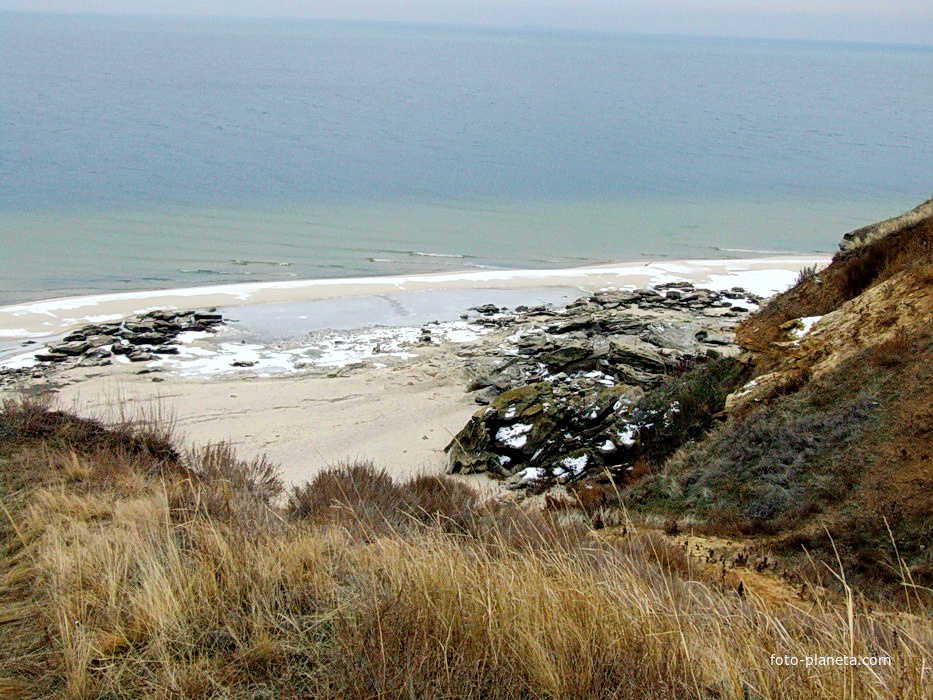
230,490
33,418
435,497
360,496
347,493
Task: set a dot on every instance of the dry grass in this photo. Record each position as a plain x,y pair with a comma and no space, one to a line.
192,582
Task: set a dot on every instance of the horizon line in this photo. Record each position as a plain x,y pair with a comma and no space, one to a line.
473,26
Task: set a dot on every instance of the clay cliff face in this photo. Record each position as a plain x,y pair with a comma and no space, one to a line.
877,293
829,441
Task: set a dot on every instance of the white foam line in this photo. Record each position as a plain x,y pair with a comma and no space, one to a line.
12,333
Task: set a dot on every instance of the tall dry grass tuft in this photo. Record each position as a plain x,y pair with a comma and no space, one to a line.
119,592
222,487
366,499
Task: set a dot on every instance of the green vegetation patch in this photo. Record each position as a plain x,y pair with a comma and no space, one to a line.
684,408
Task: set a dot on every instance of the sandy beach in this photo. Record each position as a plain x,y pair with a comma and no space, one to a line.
401,416
398,408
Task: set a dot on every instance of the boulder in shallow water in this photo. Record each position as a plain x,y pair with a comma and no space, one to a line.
51,356
99,340
152,338
138,355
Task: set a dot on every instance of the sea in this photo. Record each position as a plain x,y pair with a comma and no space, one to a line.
155,153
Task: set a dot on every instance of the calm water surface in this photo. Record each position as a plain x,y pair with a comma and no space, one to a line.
146,153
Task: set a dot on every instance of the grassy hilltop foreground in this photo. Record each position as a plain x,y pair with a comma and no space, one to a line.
132,568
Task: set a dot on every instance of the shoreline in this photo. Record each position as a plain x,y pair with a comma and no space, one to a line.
47,318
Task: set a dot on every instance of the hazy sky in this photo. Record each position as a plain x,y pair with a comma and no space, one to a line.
899,21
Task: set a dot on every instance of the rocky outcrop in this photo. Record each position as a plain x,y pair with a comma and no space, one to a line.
140,338
562,390
629,337
547,430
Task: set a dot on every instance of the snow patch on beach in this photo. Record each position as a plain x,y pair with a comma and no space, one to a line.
103,318
764,283
22,361
198,355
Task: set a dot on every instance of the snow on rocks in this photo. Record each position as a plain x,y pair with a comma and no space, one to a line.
806,325
514,436
575,465
627,435
526,477
562,387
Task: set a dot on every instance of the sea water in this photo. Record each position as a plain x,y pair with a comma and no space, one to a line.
142,153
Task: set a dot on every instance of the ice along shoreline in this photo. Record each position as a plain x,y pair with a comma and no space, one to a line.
47,318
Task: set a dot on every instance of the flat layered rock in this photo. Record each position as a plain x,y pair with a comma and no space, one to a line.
560,390
139,338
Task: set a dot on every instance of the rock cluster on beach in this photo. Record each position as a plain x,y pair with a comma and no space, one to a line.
139,338
563,388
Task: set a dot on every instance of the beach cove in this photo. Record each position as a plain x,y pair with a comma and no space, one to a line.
318,372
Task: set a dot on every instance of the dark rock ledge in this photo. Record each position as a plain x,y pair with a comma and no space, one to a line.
140,338
563,392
